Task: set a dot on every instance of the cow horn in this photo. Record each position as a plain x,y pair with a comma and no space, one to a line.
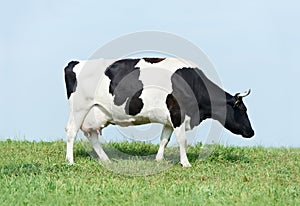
241,95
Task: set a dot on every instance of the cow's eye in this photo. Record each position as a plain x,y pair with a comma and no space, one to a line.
236,104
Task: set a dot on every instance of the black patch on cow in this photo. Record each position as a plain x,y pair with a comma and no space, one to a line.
189,97
125,84
70,78
174,109
153,60
134,104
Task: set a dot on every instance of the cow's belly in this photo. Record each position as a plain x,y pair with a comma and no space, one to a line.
154,111
106,112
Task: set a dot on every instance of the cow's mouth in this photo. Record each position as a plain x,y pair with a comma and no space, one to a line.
248,134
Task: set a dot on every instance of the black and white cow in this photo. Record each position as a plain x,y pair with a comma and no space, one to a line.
170,91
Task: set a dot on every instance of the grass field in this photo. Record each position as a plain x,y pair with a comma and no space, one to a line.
36,174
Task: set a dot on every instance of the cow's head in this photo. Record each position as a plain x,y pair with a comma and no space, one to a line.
237,120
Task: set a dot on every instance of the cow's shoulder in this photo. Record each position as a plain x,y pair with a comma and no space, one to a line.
189,92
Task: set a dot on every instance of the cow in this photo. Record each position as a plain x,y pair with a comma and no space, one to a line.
171,91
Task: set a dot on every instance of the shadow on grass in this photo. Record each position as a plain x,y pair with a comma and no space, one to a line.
193,157
20,169
122,150
229,154
81,152
217,153
132,158
118,152
146,151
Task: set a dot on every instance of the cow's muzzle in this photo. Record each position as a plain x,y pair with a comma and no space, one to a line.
248,134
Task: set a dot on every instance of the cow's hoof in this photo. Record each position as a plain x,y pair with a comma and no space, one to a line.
186,164
106,163
159,158
104,160
70,161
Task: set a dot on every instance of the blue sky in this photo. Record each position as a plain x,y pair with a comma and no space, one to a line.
251,44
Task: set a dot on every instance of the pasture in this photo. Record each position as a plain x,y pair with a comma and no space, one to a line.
36,174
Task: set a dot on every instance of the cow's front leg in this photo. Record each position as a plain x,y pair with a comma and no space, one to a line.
181,139
164,139
93,138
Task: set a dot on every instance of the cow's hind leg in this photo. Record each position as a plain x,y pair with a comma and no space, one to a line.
164,139
92,125
72,130
181,139
71,135
93,138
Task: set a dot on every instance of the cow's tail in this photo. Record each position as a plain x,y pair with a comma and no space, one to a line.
70,78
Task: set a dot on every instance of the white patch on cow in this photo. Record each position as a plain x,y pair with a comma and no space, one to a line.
78,67
159,74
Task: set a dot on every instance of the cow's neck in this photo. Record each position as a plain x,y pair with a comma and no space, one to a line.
218,107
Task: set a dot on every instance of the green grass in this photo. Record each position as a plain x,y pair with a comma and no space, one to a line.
36,174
